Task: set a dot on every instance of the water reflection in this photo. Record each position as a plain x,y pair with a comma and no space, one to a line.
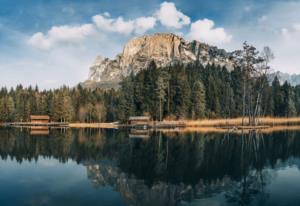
168,168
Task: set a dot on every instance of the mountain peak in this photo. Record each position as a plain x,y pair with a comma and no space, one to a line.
162,48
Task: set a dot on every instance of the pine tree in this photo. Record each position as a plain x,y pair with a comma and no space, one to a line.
7,109
212,96
161,93
289,108
198,100
126,103
277,98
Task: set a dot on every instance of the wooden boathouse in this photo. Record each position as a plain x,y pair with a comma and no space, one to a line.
39,119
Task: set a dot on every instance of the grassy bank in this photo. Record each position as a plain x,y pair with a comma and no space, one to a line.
94,125
264,121
204,124
265,130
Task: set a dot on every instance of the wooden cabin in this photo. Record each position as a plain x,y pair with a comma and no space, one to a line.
39,119
139,121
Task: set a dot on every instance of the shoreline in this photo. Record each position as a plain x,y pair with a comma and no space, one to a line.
224,124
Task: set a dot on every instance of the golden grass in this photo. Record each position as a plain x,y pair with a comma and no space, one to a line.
265,130
263,121
94,125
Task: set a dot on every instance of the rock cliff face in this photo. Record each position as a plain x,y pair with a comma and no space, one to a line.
163,49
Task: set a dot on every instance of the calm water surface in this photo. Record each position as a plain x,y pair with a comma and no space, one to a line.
107,167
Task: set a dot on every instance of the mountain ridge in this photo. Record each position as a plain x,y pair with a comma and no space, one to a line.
162,48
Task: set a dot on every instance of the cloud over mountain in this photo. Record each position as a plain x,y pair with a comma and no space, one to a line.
204,31
167,15
61,34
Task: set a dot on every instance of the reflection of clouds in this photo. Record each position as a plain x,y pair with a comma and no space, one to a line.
49,162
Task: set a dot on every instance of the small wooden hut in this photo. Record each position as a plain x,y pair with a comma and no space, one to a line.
39,119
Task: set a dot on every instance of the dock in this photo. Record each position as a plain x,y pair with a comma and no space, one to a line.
32,124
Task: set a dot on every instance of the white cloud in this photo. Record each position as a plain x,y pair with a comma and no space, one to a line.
144,24
39,40
203,30
113,25
61,34
119,25
169,16
102,23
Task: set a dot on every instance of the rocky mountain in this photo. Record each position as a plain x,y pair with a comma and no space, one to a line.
162,48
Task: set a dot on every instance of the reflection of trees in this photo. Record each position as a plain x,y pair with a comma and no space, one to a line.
180,166
194,158
251,185
78,145
252,182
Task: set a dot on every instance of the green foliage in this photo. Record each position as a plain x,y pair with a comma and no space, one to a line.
198,100
177,91
64,104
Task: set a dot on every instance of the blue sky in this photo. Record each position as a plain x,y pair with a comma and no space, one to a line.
51,43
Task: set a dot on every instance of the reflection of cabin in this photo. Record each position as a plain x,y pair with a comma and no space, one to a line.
139,134
39,119
139,121
39,130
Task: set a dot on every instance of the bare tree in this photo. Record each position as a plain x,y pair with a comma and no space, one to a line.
255,69
263,69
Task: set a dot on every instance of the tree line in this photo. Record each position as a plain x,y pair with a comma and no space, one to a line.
179,91
195,92
176,92
63,104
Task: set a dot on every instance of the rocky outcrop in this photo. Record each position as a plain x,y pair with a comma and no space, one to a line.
163,49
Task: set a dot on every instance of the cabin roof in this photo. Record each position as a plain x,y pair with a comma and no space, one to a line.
146,118
39,117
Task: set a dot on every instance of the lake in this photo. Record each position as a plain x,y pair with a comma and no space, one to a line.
116,167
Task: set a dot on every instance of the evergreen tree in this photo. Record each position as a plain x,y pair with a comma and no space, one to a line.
7,109
277,98
198,100
289,108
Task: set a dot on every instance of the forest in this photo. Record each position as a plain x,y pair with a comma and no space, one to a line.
176,92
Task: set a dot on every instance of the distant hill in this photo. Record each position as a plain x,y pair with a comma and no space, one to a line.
293,79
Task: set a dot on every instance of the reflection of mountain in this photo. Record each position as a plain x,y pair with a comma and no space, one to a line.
166,168
136,192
